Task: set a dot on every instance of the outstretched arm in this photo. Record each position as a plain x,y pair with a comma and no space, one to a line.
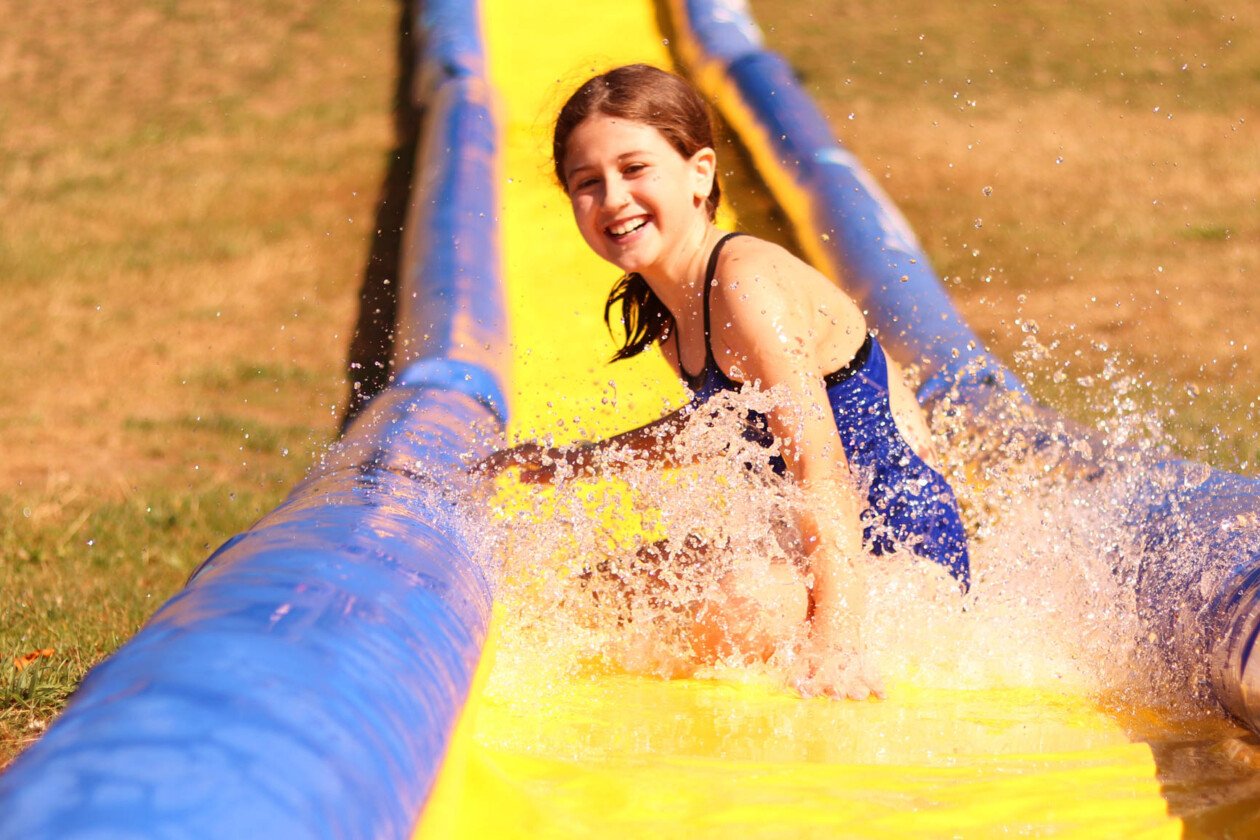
541,463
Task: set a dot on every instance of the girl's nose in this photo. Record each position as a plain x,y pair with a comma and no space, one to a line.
616,195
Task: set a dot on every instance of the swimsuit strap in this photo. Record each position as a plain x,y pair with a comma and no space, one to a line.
693,382
855,364
709,274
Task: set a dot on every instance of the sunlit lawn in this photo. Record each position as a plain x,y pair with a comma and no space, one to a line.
187,194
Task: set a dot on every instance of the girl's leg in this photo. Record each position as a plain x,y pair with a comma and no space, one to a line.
757,609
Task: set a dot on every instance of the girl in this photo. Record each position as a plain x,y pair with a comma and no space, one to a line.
634,152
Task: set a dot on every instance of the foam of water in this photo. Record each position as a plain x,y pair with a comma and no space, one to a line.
607,574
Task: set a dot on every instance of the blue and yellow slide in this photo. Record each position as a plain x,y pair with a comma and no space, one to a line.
321,675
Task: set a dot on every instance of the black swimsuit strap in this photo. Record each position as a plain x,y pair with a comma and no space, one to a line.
693,382
709,274
834,378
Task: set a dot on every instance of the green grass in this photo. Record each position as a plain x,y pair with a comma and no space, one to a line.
29,699
1123,53
80,576
186,198
1207,232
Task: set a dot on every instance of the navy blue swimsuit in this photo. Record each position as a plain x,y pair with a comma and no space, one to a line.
910,505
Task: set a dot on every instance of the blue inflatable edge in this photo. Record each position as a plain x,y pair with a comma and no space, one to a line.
306,682
472,380
844,220
1209,609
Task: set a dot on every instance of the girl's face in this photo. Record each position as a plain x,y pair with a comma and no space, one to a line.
636,200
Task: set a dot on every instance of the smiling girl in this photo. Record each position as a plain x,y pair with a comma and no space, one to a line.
634,152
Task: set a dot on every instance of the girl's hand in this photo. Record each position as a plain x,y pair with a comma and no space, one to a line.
538,463
516,456
823,669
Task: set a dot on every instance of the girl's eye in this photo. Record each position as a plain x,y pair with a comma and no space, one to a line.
586,183
635,168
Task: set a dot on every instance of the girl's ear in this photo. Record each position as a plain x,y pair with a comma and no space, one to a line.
703,170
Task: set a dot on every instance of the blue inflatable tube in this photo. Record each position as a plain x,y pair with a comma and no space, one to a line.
845,222
1198,583
306,681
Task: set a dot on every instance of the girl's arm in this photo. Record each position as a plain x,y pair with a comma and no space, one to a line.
763,313
540,463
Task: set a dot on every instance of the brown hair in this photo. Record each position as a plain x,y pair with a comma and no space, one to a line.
666,102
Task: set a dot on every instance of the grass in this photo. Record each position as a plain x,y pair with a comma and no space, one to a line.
1089,167
81,575
186,193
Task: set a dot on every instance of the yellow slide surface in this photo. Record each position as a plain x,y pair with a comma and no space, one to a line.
614,756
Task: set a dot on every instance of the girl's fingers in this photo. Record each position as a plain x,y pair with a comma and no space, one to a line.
816,675
540,475
877,686
522,455
858,691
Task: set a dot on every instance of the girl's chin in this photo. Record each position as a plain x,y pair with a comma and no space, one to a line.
627,262
627,268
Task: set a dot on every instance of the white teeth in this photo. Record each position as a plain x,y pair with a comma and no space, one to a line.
622,228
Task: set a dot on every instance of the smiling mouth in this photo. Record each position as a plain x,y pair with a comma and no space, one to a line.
629,226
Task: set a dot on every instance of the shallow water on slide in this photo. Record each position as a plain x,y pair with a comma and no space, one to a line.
1034,690
1026,707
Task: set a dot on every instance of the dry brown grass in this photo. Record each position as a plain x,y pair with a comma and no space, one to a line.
185,200
186,196
1119,143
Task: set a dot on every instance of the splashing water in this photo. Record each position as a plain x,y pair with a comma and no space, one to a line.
614,573
611,573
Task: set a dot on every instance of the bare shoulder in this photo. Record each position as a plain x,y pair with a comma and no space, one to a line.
756,277
747,257
753,273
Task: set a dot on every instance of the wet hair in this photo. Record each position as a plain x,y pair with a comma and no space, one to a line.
644,94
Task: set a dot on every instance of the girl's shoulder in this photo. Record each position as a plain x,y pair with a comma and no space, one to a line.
760,282
745,254
755,272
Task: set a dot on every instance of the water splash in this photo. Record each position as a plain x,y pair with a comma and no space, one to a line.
611,574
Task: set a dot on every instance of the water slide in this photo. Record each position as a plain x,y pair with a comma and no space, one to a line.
309,681
622,756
